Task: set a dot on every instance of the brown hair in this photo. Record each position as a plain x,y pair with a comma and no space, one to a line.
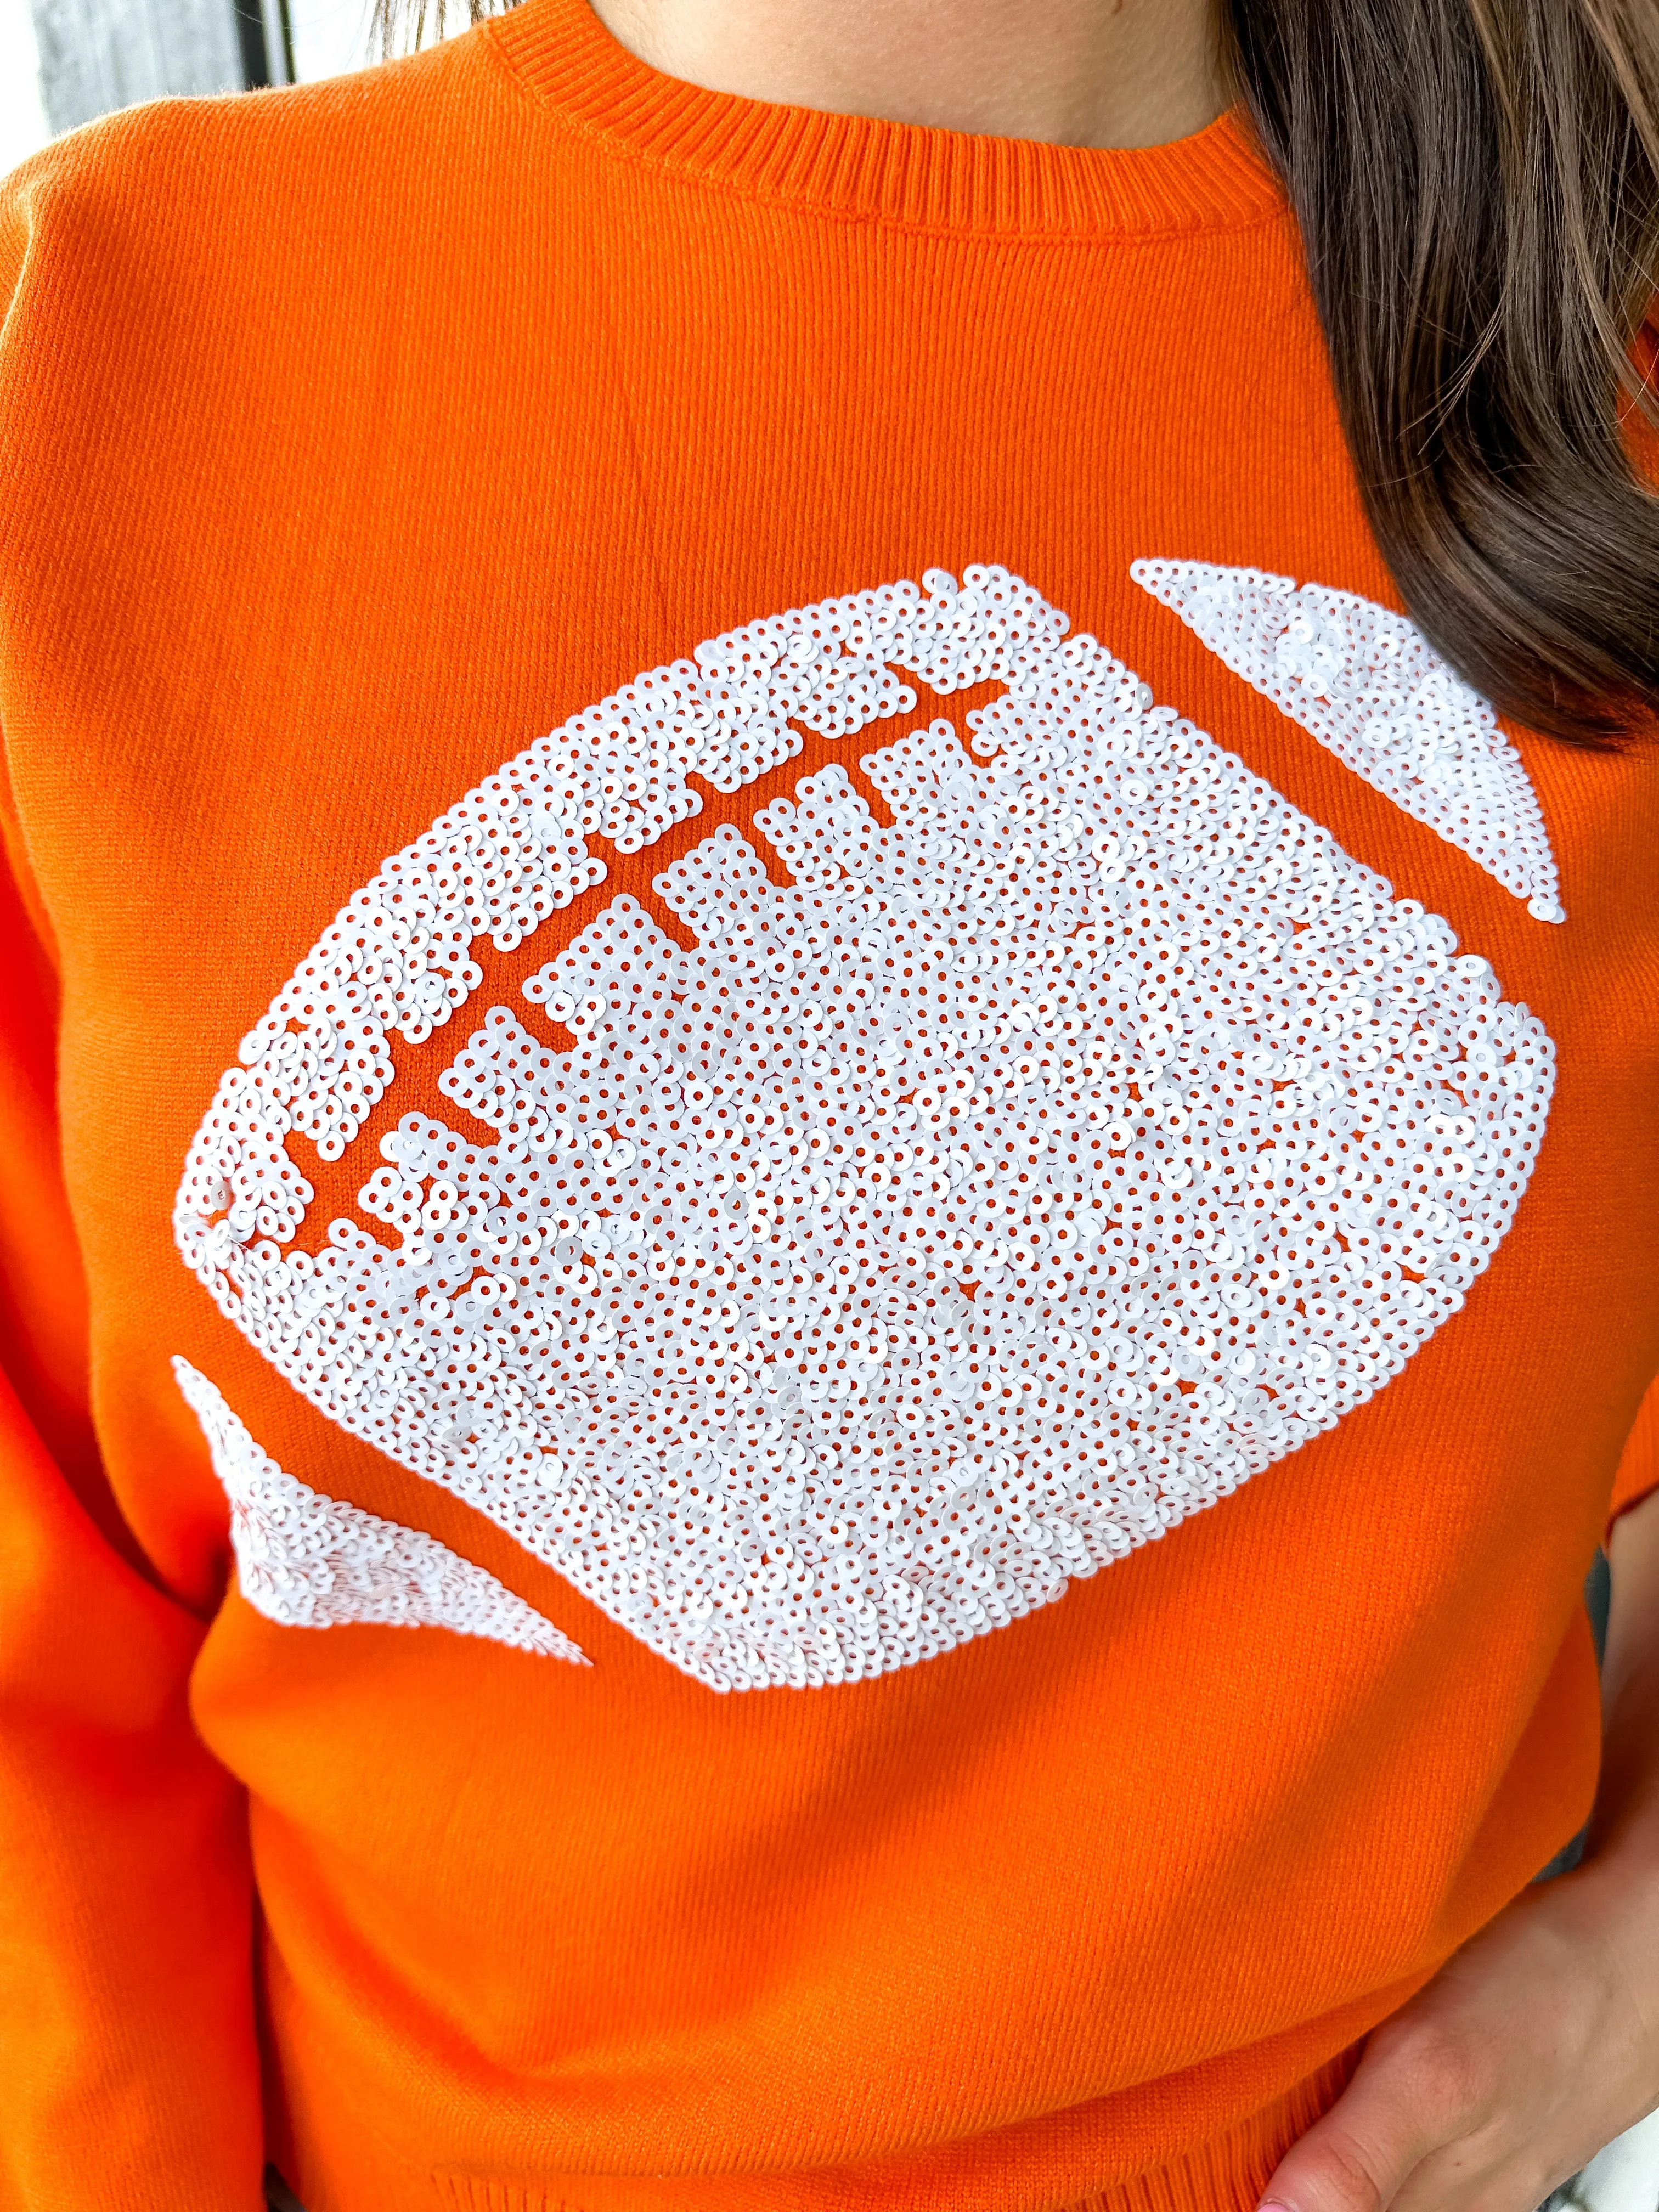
1477,183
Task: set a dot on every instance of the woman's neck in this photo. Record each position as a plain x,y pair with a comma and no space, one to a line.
1075,72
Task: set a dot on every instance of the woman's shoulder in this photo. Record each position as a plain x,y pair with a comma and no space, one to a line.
253,261
146,208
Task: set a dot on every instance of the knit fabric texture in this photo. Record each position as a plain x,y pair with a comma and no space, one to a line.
828,1232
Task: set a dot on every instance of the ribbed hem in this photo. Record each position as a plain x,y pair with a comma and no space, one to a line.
1229,2173
900,172
1226,2174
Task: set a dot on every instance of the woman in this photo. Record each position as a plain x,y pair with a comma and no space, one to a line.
607,1600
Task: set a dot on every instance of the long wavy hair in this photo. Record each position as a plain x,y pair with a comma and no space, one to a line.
1476,184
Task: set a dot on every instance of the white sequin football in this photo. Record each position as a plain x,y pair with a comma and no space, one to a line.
944,1209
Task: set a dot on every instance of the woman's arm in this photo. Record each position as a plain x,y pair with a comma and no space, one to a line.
1629,1795
1539,2043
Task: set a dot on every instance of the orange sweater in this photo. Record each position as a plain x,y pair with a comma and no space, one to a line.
606,1603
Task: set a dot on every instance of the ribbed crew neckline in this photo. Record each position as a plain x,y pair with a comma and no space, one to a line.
898,172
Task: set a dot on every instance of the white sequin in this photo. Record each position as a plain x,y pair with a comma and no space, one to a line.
930,1227
1364,681
306,1561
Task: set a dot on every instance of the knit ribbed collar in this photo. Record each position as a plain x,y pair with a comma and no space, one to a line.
848,165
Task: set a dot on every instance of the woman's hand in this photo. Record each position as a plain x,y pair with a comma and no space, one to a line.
1531,2050
1538,2042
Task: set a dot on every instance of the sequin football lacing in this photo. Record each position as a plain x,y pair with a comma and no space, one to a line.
307,1561
962,1204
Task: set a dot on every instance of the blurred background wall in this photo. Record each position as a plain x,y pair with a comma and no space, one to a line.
62,62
